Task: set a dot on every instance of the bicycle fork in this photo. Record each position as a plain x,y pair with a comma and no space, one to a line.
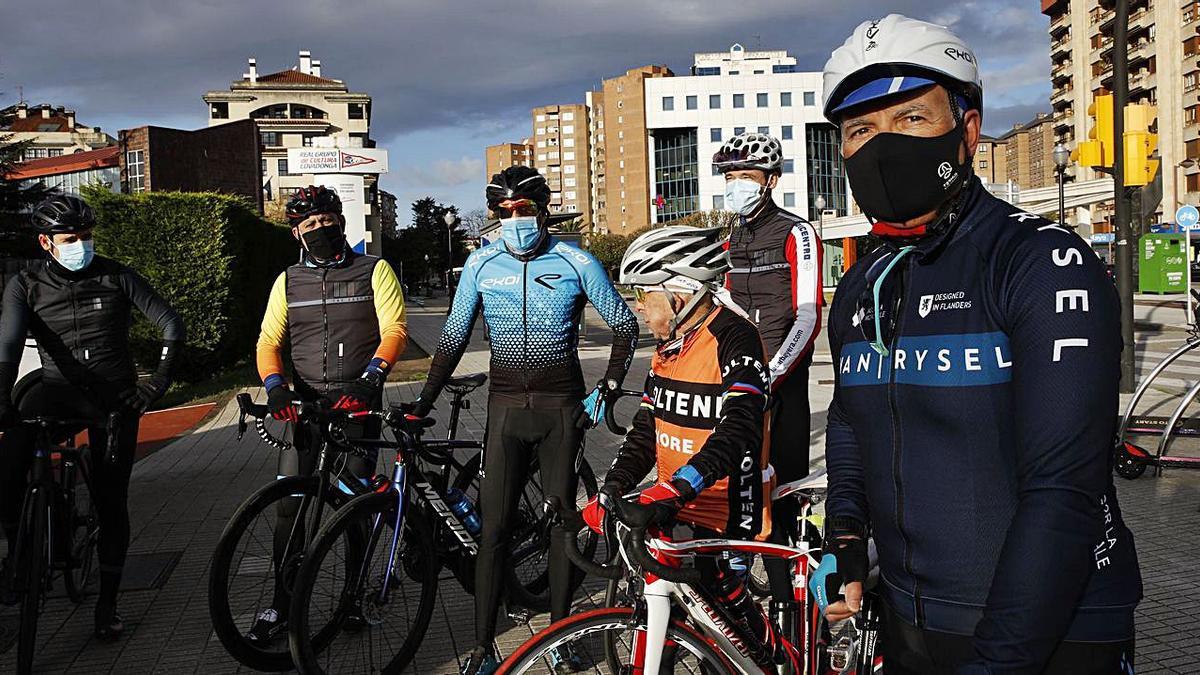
648,645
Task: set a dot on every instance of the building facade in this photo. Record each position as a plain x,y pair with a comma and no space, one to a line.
292,109
991,160
51,131
223,158
688,119
626,155
598,220
1028,148
1164,70
69,173
560,152
501,156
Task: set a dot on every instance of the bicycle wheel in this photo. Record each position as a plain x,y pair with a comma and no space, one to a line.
587,633
80,532
527,570
339,622
248,576
33,559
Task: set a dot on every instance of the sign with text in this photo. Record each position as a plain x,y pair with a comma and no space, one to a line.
337,160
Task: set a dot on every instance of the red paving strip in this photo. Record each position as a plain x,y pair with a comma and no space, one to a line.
162,426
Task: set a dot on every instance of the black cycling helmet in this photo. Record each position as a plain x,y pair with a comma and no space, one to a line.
312,200
61,213
518,182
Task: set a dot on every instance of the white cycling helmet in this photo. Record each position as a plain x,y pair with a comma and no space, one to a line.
678,257
896,54
750,151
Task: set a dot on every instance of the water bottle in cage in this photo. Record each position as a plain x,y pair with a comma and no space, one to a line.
462,507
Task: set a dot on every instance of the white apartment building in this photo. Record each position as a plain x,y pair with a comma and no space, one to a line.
51,131
689,117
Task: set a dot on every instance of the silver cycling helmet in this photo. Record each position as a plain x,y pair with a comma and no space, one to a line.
896,54
750,151
663,256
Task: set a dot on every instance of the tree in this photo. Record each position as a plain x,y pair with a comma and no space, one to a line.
722,219
427,236
15,199
473,222
573,226
609,249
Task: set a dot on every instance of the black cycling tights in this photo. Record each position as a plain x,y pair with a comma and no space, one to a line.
109,480
790,430
514,433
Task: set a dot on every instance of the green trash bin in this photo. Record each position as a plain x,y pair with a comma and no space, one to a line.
1161,265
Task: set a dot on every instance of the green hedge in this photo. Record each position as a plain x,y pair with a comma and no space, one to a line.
210,255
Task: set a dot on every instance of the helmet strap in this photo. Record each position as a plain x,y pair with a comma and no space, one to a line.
683,313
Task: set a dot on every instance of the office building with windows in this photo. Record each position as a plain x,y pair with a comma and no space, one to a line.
560,152
689,117
503,155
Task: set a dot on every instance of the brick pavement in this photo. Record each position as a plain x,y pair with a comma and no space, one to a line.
182,496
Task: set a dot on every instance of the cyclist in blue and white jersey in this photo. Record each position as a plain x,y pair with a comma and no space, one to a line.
532,289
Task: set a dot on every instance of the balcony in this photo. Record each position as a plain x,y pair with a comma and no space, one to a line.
1060,49
1062,98
1060,24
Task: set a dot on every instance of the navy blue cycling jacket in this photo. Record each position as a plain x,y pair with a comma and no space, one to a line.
532,309
978,451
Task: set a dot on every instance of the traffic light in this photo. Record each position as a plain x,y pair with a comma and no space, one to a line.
1140,144
1098,150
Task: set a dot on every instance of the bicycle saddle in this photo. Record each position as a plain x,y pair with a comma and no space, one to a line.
818,481
466,384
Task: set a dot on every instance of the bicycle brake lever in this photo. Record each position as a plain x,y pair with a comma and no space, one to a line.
241,425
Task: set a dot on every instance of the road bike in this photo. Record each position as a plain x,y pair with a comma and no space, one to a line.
663,618
59,527
353,604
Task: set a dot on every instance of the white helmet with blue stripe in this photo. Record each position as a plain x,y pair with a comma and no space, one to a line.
896,54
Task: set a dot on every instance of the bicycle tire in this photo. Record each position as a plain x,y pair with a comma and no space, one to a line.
532,593
531,654
420,564
81,533
230,631
31,572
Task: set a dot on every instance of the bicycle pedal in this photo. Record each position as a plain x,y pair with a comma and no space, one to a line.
521,616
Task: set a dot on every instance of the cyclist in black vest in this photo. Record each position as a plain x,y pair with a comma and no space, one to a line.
776,279
78,307
343,313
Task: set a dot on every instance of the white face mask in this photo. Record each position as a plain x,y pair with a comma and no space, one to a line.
77,255
742,195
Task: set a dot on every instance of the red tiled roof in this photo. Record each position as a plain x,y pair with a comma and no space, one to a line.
295,77
79,161
36,122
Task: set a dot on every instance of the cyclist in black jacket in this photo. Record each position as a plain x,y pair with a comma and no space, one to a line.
976,360
78,307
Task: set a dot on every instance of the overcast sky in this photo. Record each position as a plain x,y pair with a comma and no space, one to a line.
449,78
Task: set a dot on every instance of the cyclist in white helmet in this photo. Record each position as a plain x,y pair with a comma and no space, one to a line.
976,375
703,411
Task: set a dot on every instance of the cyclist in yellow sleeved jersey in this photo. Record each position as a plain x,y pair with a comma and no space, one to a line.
343,314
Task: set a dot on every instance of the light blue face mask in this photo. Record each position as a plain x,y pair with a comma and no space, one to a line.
742,195
520,233
77,255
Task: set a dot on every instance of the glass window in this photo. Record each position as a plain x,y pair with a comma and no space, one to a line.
983,163
668,103
270,138
708,70
264,166
789,199
714,135
783,69
676,177
714,101
283,168
220,111
718,202
568,116
735,72
766,131
307,140
826,173
785,99
810,98
738,131
789,166
691,102
761,100
135,167
787,132
739,100
716,170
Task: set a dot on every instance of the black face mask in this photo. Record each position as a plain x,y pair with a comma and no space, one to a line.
324,243
896,177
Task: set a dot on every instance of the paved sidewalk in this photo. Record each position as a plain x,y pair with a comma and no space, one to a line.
182,496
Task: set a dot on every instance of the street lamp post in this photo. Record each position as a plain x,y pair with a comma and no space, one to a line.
1062,156
450,219
820,204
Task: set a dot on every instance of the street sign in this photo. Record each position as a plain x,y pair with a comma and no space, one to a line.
1103,238
1188,217
337,160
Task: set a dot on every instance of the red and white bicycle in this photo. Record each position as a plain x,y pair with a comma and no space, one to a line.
663,619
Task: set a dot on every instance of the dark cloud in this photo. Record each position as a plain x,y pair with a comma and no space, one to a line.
448,64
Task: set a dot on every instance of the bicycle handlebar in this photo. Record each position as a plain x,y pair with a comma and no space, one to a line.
610,405
638,519
397,419
111,427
